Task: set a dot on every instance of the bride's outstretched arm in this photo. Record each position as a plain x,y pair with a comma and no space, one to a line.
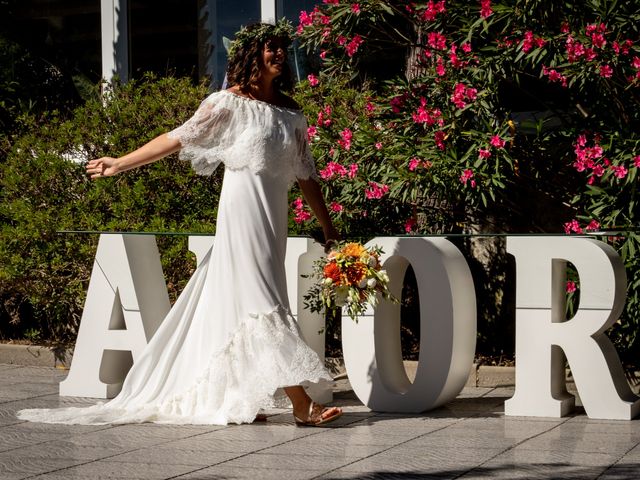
156,149
313,196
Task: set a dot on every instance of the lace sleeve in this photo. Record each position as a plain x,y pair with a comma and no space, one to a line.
200,136
304,165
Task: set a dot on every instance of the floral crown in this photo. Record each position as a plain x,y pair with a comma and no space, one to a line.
282,29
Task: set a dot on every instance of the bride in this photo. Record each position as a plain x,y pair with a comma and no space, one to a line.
230,342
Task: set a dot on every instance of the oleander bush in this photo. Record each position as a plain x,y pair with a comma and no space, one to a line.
44,189
481,116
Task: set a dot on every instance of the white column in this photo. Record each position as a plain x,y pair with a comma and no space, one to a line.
268,11
115,39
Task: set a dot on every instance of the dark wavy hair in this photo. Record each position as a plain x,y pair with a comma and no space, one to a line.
244,65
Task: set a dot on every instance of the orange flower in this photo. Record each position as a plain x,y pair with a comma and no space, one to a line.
332,271
353,249
355,273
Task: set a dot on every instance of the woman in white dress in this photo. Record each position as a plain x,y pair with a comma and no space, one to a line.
229,342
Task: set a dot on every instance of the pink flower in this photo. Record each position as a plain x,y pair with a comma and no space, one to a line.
440,70
636,161
530,41
324,115
466,176
593,225
497,142
571,287
378,145
346,136
484,153
606,71
336,207
572,226
485,8
313,80
554,76
355,8
342,40
397,103
425,115
410,224
437,41
462,94
312,131
375,190
370,107
353,45
466,47
323,54
439,138
619,171
305,20
331,170
353,170
635,63
433,9
300,214
414,163
597,170
331,2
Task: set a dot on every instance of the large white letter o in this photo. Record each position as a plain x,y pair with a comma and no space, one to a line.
372,349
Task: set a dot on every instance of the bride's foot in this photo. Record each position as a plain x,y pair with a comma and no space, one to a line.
316,415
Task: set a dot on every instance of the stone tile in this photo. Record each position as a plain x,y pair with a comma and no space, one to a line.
289,461
474,392
15,436
174,456
207,444
261,432
60,449
125,470
591,443
340,474
250,473
318,446
435,461
522,463
16,467
624,471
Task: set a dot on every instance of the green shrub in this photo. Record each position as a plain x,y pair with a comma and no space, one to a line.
44,189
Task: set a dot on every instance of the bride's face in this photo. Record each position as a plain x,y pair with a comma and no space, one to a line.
274,54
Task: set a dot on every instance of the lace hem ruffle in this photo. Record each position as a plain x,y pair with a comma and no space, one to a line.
265,353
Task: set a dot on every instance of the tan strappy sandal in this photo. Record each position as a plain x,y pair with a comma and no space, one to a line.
315,418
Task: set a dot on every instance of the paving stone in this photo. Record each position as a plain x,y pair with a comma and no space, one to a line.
380,475
289,461
173,456
624,471
105,469
317,445
433,461
17,467
592,442
249,473
523,463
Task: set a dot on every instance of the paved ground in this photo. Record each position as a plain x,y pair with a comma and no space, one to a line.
468,438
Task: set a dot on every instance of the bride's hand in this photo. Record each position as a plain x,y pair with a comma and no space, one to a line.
102,167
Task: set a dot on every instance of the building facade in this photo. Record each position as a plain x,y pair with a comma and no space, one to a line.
93,39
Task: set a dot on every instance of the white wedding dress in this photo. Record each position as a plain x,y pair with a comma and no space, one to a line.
229,342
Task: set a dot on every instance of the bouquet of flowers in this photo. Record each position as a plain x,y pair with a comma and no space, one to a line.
351,276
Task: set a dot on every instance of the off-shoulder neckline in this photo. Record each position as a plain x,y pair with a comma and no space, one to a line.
261,102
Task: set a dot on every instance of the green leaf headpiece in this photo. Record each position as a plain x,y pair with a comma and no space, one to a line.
283,29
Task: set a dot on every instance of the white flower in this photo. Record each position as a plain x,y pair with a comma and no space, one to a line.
372,261
327,281
363,283
371,282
